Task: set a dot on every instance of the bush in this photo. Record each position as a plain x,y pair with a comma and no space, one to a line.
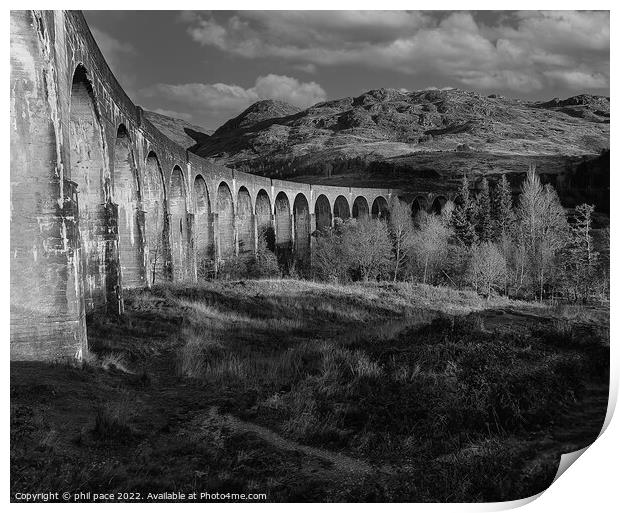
368,249
329,261
205,268
232,268
353,250
264,264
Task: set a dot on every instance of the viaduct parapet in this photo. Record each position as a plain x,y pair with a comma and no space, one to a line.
102,201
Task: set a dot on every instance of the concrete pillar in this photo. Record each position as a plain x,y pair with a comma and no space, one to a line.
191,271
217,255
255,232
211,231
236,233
114,285
312,230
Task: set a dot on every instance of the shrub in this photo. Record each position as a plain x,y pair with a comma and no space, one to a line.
205,268
329,261
368,249
353,250
264,264
232,268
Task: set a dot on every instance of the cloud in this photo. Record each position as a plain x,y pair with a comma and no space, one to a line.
112,49
520,51
578,79
174,114
306,68
116,54
223,101
302,94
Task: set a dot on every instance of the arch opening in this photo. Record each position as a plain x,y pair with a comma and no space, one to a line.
283,227
128,202
88,169
202,223
438,204
226,227
263,219
418,205
301,217
179,229
245,222
322,213
155,222
380,209
360,208
341,208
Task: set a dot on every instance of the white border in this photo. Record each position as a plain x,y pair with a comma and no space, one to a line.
591,484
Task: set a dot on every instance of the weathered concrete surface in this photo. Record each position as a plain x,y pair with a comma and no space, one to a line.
102,201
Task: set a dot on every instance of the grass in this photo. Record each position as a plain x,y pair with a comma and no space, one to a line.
444,395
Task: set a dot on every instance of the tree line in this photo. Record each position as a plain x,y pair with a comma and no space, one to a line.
529,248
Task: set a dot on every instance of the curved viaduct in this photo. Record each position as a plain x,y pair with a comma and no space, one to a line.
101,201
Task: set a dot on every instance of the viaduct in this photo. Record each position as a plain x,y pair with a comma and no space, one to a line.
102,201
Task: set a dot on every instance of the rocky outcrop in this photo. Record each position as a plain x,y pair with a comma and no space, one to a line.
586,106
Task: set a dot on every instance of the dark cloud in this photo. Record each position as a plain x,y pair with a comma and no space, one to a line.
521,52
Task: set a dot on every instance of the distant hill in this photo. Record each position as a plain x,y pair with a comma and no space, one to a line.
179,130
592,108
264,110
410,139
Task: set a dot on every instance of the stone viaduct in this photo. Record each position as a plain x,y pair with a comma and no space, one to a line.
101,201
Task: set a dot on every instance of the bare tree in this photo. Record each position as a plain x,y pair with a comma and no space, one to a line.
429,244
543,229
487,268
368,248
400,226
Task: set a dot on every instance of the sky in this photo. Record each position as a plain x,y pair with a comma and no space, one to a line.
208,66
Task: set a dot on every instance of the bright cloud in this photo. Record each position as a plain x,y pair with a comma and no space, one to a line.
227,100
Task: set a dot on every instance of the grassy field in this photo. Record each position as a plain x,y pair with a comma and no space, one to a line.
315,392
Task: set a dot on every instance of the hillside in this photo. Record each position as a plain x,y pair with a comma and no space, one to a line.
179,130
411,138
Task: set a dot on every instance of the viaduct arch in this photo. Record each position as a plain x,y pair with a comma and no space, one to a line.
102,201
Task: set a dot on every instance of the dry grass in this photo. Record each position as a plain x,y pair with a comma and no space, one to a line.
384,373
112,421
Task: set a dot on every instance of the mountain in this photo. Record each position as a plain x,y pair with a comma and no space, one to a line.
408,139
256,113
179,130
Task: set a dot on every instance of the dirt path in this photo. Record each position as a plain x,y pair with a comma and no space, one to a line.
339,462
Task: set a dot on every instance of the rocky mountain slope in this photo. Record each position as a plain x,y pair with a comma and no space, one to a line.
179,130
410,139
